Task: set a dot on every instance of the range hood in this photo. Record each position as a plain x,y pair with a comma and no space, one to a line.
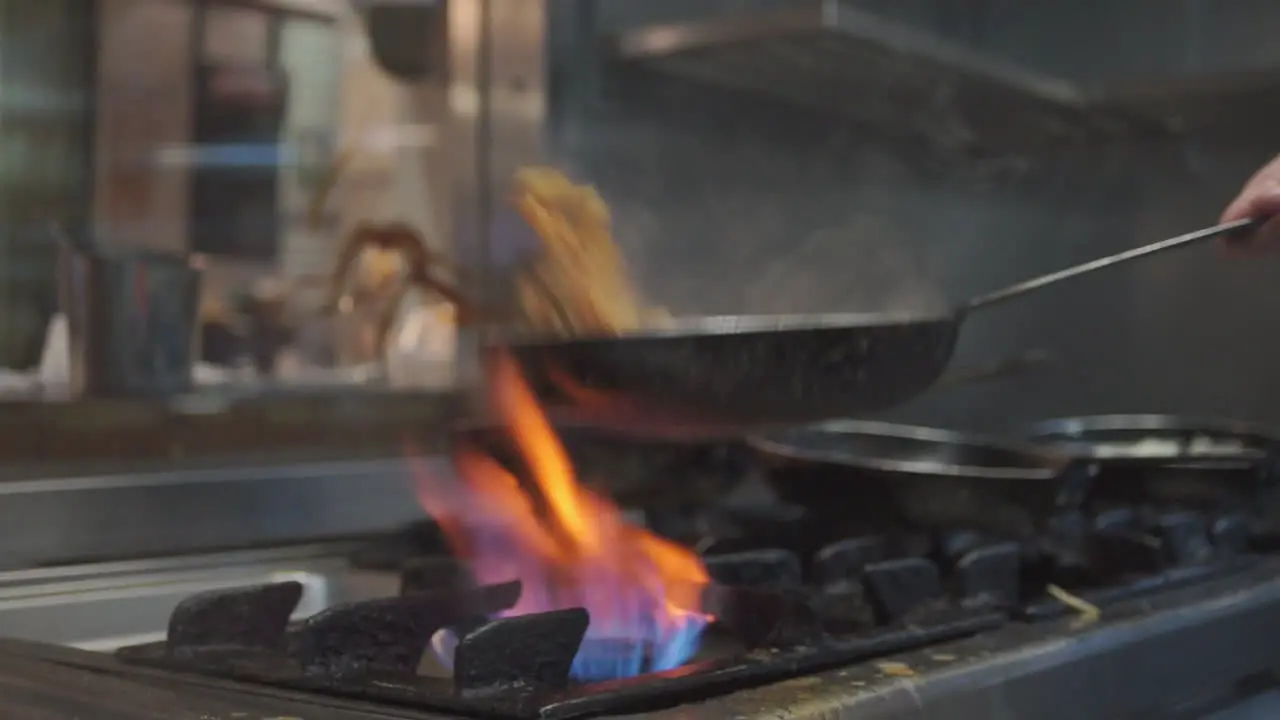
1242,105
827,57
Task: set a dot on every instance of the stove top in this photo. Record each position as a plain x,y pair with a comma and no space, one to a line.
815,609
1176,654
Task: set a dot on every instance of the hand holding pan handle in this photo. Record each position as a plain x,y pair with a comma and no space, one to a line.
1263,237
1259,197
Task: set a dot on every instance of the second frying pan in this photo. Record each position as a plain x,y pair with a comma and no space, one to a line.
933,479
727,375
1169,460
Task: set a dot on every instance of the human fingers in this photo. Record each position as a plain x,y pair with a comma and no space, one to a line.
1260,198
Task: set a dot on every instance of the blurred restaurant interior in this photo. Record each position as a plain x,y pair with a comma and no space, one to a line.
253,252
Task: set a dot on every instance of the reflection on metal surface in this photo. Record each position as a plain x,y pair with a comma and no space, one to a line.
104,606
70,519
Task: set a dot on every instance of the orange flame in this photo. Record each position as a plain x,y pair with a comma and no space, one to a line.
572,549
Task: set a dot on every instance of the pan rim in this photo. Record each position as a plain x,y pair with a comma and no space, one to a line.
716,325
1054,462
1154,422
1069,435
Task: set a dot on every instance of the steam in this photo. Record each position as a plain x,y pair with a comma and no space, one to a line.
875,267
724,224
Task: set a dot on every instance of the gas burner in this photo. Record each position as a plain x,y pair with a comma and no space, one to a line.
772,622
780,612
790,590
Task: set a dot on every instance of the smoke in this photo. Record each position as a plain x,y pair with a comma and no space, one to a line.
861,265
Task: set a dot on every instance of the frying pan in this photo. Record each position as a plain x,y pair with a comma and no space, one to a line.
634,472
1201,463
638,471
931,479
726,375
1149,439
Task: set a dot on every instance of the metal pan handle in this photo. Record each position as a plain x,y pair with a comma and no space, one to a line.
1013,291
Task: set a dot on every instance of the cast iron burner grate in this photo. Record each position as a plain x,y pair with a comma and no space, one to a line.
768,628
1121,553
1103,558
781,612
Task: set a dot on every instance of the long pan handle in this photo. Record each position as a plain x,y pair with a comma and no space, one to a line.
1027,286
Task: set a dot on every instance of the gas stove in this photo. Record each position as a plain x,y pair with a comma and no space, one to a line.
1120,609
1179,654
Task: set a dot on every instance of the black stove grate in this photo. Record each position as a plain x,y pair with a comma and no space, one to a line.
794,591
768,628
780,613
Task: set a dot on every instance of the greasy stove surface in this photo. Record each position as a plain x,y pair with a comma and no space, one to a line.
797,592
853,601
952,603
56,683
1143,659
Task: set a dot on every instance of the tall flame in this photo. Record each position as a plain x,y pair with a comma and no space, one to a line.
572,549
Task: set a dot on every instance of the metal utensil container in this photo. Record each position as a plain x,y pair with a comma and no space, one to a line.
131,319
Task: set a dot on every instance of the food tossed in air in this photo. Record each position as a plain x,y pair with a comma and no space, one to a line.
579,284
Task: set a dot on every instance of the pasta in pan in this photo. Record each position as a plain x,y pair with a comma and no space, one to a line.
578,284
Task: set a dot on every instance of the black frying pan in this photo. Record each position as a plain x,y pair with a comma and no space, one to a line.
635,472
1149,439
1200,463
724,375
932,479
639,471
